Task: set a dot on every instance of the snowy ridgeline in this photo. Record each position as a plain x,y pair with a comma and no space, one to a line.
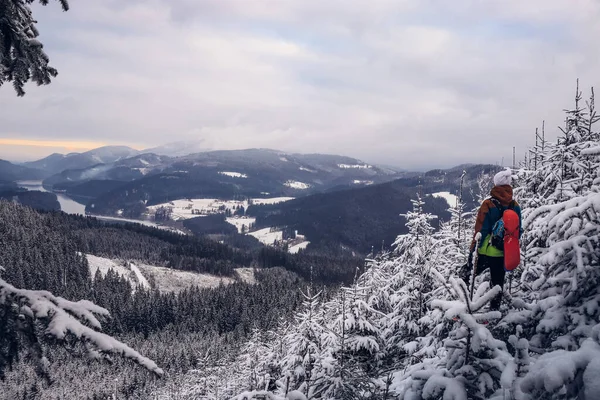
166,279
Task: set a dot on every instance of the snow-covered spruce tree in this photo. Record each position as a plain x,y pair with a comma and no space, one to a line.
472,362
254,358
413,283
32,318
564,243
259,360
561,272
305,346
566,171
22,57
352,347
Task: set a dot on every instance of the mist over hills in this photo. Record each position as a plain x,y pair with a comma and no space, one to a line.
338,200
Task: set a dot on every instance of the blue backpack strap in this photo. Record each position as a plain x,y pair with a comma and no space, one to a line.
502,208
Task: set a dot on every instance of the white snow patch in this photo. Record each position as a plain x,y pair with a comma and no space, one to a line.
140,278
283,159
192,208
267,236
246,275
354,166
233,174
240,222
307,170
273,200
449,197
167,279
297,185
143,171
104,265
296,248
593,151
173,280
359,182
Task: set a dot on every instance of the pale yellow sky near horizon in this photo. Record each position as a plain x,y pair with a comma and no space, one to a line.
30,149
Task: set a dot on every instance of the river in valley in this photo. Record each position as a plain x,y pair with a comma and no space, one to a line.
70,206
67,204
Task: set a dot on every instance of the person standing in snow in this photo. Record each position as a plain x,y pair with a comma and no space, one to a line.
489,213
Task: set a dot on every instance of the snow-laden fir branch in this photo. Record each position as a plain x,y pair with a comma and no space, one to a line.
62,318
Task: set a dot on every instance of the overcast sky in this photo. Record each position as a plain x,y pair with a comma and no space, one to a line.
412,83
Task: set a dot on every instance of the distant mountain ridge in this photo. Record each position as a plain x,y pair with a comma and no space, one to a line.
57,163
11,172
152,178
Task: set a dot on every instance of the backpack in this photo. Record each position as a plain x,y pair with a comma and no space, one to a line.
497,235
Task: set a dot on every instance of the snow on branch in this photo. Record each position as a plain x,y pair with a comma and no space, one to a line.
556,370
594,151
62,317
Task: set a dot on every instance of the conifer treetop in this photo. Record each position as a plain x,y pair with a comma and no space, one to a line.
22,56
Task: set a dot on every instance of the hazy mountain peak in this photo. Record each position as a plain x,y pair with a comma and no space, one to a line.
180,148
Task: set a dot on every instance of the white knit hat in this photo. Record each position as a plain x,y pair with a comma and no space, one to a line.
503,177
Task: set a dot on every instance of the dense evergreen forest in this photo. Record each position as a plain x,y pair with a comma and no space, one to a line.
46,251
32,198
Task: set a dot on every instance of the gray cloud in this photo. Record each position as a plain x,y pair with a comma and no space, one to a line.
412,83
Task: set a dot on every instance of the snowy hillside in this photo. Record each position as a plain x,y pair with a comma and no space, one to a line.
268,236
166,279
450,198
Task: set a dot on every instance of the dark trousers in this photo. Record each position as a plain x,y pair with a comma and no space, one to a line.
497,272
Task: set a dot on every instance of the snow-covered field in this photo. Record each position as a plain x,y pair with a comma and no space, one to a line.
273,200
172,280
449,197
296,248
233,174
167,279
240,222
126,270
266,236
191,208
297,185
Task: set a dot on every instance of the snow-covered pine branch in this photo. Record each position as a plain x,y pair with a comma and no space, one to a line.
63,319
22,57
